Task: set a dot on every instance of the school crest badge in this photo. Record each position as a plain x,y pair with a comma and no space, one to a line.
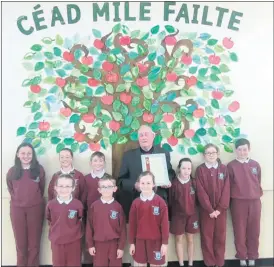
254,170
192,191
72,214
113,214
37,180
157,255
156,210
195,225
221,176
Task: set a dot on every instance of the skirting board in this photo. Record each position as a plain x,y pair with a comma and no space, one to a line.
267,262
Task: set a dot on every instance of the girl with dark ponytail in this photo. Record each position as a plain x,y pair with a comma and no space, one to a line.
184,217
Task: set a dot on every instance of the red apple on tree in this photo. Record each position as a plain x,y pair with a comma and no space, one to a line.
125,98
228,43
172,140
35,88
142,67
65,111
44,126
192,80
88,118
214,59
199,113
234,106
93,82
142,81
79,137
170,40
171,77
168,118
107,99
187,60
220,121
87,60
148,117
112,77
217,95
114,125
95,146
68,56
107,66
125,40
189,133
60,82
98,44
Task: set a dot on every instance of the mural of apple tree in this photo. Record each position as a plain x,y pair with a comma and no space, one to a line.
96,91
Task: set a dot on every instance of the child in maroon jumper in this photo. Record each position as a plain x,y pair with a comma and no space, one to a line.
106,227
97,164
26,184
184,217
66,158
64,214
245,182
148,225
213,193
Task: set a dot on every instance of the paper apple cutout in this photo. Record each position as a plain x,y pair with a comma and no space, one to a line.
228,43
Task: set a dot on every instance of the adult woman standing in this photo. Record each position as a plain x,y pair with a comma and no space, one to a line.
26,184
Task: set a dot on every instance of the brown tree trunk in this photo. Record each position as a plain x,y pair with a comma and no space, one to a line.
117,155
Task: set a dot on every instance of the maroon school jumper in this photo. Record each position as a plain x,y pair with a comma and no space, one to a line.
245,182
182,200
79,180
148,229
213,193
90,193
27,215
65,232
106,231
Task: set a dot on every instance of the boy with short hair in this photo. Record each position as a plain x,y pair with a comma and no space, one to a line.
64,214
97,164
106,226
246,191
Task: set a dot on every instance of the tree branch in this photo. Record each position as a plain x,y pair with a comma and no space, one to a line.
104,39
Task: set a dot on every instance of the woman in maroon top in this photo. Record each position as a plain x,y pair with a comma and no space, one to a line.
148,224
64,214
213,191
66,159
26,184
184,217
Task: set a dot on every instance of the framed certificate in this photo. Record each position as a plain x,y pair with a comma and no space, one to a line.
156,163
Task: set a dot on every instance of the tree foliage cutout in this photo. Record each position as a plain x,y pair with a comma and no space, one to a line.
97,91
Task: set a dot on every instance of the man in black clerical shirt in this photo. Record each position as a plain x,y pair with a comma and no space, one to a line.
131,168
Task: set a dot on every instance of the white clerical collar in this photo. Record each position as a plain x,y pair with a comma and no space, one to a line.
64,201
107,202
209,166
26,167
67,172
183,181
98,174
147,198
243,161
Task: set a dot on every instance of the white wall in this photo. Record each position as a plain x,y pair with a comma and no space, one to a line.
252,78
